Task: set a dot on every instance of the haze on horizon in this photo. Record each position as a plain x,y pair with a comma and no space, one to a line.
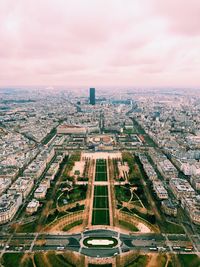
100,42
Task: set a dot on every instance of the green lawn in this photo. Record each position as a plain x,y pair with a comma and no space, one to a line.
100,214
100,217
100,190
101,176
71,225
187,260
76,194
129,226
27,227
100,202
122,193
140,261
58,260
129,131
54,260
171,228
101,170
12,259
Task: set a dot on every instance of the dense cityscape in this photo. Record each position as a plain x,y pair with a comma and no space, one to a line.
100,133
107,179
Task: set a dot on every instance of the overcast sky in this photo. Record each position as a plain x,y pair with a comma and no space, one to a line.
100,42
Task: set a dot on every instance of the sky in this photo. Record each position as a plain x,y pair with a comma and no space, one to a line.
96,43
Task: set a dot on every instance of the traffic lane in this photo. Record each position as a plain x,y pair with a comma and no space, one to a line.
100,253
100,232
58,236
143,237
54,247
147,243
57,242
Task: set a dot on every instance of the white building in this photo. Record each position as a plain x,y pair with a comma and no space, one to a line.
22,185
46,182
8,171
196,169
32,206
195,182
71,129
4,184
9,205
192,207
181,187
35,169
160,190
167,169
40,192
169,207
52,171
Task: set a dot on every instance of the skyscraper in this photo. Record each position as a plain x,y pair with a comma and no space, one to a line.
92,96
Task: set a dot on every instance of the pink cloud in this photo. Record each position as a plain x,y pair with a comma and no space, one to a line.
117,42
183,16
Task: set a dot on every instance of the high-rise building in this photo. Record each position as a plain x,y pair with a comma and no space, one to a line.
92,96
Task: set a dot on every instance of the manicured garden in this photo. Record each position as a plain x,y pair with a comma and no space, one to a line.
122,193
100,214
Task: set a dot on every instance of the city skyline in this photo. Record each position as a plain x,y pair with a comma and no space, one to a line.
115,43
100,133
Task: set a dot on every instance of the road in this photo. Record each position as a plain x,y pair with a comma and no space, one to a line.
32,242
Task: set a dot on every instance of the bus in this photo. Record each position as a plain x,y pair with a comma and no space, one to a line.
60,248
153,248
188,248
176,248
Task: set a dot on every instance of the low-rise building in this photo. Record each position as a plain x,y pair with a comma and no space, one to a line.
167,169
9,205
46,182
52,171
149,170
160,190
38,166
4,184
169,207
35,169
181,187
59,158
32,206
164,165
71,129
192,207
8,172
40,192
22,185
46,155
195,182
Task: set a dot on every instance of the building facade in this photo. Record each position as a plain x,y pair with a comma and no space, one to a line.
92,96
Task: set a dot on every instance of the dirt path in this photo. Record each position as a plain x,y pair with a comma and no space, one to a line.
88,202
33,261
25,258
46,261
153,260
167,261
